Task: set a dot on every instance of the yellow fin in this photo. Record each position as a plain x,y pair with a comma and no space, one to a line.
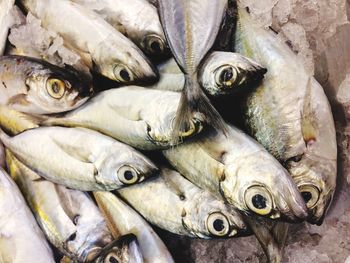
15,122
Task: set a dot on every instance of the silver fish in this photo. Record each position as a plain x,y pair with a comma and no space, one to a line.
69,218
191,27
35,86
220,74
290,116
21,239
2,155
5,8
140,117
137,19
113,55
176,205
124,220
79,158
241,171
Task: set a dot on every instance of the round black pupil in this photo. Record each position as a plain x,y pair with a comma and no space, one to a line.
155,46
218,225
113,260
259,201
55,87
297,158
124,75
128,175
226,75
307,196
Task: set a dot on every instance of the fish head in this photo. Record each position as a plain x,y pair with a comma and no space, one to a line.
56,89
225,73
258,184
124,250
160,123
313,164
209,217
154,44
123,166
129,65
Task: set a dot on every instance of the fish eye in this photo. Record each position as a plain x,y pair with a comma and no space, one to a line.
56,88
122,73
258,200
112,258
311,194
128,175
218,224
194,127
296,158
154,44
226,76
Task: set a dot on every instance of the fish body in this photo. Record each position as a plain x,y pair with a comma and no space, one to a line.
173,203
124,220
290,116
2,155
35,86
220,74
238,169
191,28
69,218
5,22
113,55
140,117
137,19
21,239
79,158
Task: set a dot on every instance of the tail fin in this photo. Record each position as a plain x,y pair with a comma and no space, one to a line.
195,106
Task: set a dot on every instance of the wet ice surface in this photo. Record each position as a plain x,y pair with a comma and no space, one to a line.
319,32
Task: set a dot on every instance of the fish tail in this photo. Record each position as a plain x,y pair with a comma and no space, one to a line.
195,107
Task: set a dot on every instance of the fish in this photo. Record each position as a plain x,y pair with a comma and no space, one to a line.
21,239
79,158
136,19
140,117
239,170
5,22
34,86
220,74
69,218
173,203
113,55
124,220
191,28
289,114
2,155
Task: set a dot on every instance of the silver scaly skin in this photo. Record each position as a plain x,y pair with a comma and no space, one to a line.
221,74
79,158
35,86
5,22
113,55
69,218
137,19
21,239
290,116
173,203
124,220
238,169
140,117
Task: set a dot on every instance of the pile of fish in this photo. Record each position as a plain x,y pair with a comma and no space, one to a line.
184,114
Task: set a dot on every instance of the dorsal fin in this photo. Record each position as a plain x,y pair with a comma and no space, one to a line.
308,125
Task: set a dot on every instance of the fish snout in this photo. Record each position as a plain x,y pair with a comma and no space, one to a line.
296,210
